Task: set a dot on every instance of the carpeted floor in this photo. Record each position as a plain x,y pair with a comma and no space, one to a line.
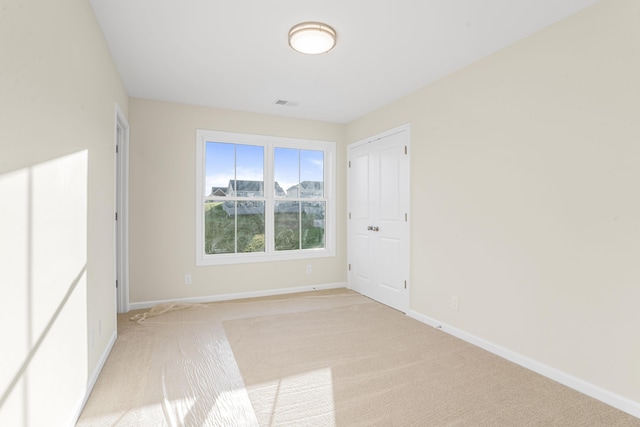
331,358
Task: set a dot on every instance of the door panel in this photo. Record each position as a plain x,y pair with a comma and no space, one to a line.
390,183
362,257
360,239
359,185
390,275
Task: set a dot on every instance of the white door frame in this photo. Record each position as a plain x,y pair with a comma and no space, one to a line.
122,210
403,128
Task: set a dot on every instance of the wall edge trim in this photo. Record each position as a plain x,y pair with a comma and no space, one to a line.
622,403
93,379
239,295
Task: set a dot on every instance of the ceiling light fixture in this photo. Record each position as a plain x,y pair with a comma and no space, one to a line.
312,38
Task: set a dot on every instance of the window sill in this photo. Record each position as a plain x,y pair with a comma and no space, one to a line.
226,259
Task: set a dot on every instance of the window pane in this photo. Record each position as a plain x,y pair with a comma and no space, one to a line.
226,220
311,174
287,225
286,171
219,168
250,226
249,171
313,224
220,228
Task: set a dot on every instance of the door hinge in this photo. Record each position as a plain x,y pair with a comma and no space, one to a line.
349,267
349,215
405,149
405,217
405,284
116,149
116,216
116,284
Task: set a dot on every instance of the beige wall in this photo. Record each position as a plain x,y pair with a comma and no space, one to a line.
524,178
162,205
525,174
58,89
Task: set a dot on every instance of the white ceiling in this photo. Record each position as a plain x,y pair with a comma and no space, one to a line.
234,54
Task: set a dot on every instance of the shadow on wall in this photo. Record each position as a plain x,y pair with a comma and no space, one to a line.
43,291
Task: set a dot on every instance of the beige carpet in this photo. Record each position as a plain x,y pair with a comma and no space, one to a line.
367,364
331,358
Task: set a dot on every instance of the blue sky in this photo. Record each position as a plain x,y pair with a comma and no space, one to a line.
291,165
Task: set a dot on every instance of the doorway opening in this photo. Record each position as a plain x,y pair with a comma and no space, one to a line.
122,211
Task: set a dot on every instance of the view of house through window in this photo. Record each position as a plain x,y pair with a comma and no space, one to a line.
263,197
299,220
234,209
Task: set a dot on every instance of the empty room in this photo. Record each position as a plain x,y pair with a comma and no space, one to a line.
336,213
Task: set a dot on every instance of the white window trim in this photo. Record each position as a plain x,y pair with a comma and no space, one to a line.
269,142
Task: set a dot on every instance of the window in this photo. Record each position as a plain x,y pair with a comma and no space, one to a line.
262,198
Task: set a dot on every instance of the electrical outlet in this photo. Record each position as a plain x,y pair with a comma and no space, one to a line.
309,269
455,303
187,279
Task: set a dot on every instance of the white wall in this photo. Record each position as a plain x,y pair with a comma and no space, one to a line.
162,205
525,182
58,89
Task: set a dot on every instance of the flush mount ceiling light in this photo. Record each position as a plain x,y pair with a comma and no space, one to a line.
312,38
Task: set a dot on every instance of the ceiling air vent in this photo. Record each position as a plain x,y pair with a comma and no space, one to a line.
285,102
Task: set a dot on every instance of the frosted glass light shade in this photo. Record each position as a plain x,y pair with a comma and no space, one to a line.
312,38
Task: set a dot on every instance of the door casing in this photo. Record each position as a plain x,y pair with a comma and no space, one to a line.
122,211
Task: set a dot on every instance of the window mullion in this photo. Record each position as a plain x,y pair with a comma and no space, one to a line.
299,225
235,202
269,193
300,200
235,220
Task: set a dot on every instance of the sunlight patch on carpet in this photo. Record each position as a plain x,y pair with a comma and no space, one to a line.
287,400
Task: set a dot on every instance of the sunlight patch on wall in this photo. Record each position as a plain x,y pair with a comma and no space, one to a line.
43,297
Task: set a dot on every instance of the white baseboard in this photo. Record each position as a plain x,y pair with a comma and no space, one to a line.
620,402
240,295
93,379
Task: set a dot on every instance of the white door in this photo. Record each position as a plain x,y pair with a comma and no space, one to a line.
378,235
